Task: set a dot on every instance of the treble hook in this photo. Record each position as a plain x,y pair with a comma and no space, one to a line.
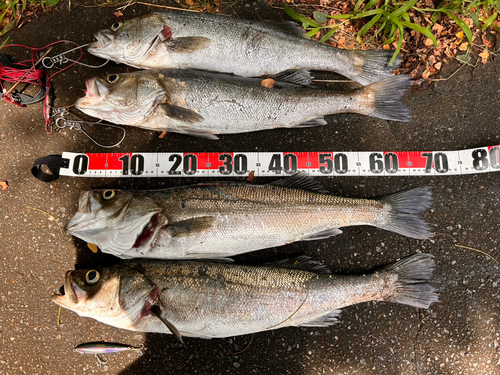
62,122
100,360
49,62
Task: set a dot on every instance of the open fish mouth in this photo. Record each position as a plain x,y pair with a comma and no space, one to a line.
70,293
102,40
95,89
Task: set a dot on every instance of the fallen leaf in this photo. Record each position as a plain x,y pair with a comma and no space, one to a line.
251,176
464,46
118,14
386,46
428,42
4,185
437,65
190,2
92,247
460,37
484,56
426,74
268,82
438,28
486,42
163,134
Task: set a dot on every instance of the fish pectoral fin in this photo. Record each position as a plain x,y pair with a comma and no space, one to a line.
187,44
323,321
301,181
323,234
155,310
303,263
181,114
318,121
189,226
300,77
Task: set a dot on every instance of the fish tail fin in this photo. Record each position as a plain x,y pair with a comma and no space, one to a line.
403,212
412,287
386,96
373,66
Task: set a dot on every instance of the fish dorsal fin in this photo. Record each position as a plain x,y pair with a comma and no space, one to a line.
303,263
323,321
300,77
290,27
302,181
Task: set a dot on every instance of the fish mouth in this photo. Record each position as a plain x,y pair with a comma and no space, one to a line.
102,40
95,89
87,205
69,293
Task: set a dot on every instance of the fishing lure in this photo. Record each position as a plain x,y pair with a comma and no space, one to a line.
99,348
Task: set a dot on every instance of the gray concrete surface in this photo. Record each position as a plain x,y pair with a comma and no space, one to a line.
460,335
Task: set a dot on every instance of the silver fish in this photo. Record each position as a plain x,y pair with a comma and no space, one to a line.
187,40
204,104
221,220
203,299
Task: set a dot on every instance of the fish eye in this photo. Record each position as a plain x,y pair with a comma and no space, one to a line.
108,194
92,277
112,78
116,26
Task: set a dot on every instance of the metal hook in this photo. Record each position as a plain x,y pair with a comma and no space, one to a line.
100,360
49,62
61,122
139,349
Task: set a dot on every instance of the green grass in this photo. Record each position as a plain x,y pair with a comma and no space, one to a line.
13,8
392,18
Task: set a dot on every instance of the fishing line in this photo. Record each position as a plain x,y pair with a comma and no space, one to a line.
33,71
270,164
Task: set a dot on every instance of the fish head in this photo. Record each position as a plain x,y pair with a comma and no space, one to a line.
115,220
130,41
122,99
119,296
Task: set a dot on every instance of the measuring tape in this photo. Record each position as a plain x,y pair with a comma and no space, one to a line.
240,164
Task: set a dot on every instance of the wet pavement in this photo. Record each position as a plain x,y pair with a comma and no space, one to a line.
460,335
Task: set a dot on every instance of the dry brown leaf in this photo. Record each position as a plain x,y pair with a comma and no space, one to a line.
118,14
251,176
4,185
464,46
486,42
484,56
428,42
426,74
438,28
190,2
437,65
386,46
268,83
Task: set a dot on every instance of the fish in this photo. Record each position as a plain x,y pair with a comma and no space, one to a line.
219,220
204,104
218,299
187,40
